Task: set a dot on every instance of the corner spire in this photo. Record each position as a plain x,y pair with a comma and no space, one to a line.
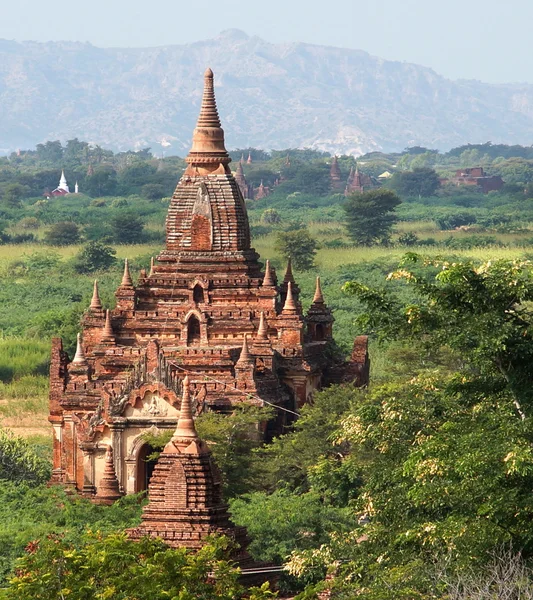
245,358
268,279
79,357
208,153
152,263
288,273
107,333
289,306
262,330
109,489
126,277
318,297
96,303
185,429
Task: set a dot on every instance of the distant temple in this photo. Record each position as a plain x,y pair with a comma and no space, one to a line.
476,176
207,310
335,176
358,182
62,189
261,192
244,186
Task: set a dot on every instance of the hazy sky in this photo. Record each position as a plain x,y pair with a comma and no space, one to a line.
490,40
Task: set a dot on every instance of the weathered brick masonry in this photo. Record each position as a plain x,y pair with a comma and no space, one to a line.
207,309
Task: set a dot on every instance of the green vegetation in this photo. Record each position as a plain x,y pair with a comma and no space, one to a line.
409,489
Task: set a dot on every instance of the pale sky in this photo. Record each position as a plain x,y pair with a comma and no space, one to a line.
489,40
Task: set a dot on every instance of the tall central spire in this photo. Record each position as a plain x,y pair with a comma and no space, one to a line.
208,153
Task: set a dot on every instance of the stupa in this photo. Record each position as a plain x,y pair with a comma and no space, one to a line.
207,309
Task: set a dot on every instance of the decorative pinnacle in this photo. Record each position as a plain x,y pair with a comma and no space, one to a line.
126,278
96,303
208,112
290,305
107,333
318,297
79,357
152,262
288,273
268,280
208,149
185,429
245,357
262,331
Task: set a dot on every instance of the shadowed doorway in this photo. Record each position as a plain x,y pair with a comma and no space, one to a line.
145,467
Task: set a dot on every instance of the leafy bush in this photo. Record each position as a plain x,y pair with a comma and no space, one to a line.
64,233
452,221
95,256
299,246
18,461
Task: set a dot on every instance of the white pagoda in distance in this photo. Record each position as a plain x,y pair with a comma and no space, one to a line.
62,189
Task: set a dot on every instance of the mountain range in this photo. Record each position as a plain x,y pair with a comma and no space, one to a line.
270,96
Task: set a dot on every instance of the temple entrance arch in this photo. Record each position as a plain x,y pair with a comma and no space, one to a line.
145,467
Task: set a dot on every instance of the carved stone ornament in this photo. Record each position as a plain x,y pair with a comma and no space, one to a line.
155,407
89,424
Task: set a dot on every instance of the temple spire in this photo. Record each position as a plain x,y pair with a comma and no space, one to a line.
268,279
185,429
288,273
208,153
245,358
79,357
318,297
96,303
107,333
126,277
290,304
262,331
108,489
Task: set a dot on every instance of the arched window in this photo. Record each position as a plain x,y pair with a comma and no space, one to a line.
198,294
193,331
319,332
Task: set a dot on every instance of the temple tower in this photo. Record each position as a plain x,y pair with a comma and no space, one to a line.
207,309
335,176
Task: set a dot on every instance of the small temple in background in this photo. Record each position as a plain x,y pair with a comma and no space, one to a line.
335,177
358,182
208,328
62,189
476,176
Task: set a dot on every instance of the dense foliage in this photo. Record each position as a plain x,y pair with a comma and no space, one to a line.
114,567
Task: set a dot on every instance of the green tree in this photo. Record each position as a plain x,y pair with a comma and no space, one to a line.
95,256
127,228
13,194
64,233
370,216
153,191
18,461
421,182
300,246
114,567
103,182
271,216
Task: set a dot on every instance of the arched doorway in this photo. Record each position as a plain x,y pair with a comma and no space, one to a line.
193,331
319,332
198,294
145,467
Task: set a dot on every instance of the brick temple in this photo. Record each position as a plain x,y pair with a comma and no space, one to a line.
207,309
